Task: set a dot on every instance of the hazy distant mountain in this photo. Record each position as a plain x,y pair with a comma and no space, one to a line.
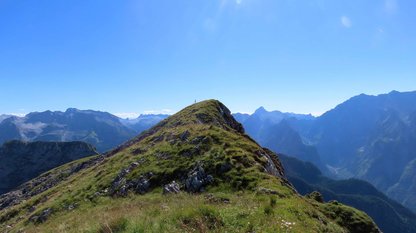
261,119
282,138
144,121
389,215
241,117
4,116
405,188
367,137
100,129
22,161
275,131
373,138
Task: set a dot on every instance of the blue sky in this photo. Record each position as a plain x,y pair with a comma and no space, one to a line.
143,56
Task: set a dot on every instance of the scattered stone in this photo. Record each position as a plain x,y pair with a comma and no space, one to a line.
117,187
120,186
267,191
172,187
197,180
317,196
163,155
142,185
198,140
134,165
72,206
158,138
223,168
212,199
138,151
184,136
42,217
186,153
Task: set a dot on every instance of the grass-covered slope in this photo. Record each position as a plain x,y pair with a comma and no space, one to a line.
196,171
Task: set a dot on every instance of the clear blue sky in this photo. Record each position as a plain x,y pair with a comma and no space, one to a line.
137,56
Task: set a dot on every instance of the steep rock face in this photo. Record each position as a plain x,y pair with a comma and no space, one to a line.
162,173
22,161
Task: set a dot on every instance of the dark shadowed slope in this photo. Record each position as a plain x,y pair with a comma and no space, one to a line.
389,215
23,161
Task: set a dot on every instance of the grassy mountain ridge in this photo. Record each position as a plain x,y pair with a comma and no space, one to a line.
195,171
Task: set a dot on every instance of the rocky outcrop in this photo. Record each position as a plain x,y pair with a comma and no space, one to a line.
273,165
42,216
197,179
172,187
121,184
229,119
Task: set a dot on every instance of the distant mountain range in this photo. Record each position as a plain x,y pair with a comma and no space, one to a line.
4,116
366,137
100,129
274,130
372,138
143,122
261,120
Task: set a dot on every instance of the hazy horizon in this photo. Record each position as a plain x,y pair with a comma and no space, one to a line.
132,114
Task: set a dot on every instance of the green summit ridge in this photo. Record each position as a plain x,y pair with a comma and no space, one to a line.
196,171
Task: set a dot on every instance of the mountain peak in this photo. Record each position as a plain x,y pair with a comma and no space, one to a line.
260,110
394,92
209,112
69,110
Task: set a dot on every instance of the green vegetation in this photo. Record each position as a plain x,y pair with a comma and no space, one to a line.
123,191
